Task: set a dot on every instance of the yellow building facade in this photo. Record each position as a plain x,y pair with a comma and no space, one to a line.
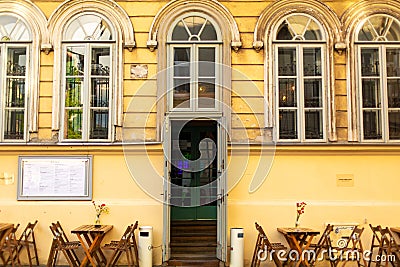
292,100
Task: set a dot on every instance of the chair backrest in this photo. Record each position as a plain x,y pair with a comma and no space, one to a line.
324,243
376,236
126,237
11,238
263,244
355,239
325,239
133,229
255,262
388,241
58,234
60,231
28,234
263,237
133,237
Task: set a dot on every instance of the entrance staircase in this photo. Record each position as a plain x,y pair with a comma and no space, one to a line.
194,243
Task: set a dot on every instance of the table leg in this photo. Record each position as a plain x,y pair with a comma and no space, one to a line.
93,244
299,244
87,251
97,248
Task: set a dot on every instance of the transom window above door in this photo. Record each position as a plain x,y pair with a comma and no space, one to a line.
88,49
300,79
378,50
194,65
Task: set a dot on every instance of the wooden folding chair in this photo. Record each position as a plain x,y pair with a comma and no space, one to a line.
10,246
390,247
265,248
376,244
323,244
352,250
27,240
61,243
124,245
134,243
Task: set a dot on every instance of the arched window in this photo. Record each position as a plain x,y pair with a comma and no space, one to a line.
378,47
300,79
194,46
88,46
15,49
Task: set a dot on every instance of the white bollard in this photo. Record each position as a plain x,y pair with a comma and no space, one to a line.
237,247
145,246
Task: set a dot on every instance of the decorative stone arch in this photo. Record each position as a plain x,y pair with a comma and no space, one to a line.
263,38
164,20
36,21
124,38
351,19
177,8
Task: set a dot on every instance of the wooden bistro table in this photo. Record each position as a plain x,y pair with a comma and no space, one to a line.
90,236
299,239
5,229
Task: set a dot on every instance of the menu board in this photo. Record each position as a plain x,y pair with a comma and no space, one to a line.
55,178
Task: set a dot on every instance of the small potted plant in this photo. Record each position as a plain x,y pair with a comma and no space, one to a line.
100,209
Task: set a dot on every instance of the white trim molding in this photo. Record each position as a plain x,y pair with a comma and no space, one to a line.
36,21
263,38
124,38
179,7
351,19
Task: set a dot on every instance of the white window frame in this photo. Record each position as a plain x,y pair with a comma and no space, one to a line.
194,77
384,109
300,90
86,90
3,56
194,46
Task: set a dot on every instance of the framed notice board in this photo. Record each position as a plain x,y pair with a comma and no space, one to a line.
55,178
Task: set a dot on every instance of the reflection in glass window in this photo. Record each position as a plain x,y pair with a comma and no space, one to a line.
14,68
88,28
300,80
13,29
299,27
87,79
379,78
380,28
194,28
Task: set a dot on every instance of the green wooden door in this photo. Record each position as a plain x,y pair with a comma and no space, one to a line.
194,170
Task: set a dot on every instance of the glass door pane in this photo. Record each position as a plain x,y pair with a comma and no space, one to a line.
15,96
312,93
74,84
181,78
371,93
193,169
207,77
99,93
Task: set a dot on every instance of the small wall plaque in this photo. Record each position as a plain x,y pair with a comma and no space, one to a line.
345,180
139,71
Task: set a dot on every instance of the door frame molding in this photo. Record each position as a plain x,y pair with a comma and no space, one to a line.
222,203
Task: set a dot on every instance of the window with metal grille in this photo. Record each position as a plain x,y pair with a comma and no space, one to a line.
88,45
194,46
300,79
15,43
378,48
